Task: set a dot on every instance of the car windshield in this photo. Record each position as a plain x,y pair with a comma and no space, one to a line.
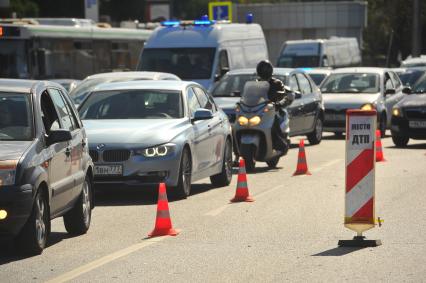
186,63
15,117
233,85
85,87
317,78
351,83
410,77
132,104
420,87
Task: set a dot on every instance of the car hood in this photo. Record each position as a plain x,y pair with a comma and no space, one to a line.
13,150
147,132
413,100
226,103
347,100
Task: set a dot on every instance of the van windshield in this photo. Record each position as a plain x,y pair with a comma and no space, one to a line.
186,63
299,55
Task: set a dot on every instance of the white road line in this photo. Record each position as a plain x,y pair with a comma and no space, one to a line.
330,163
217,211
104,260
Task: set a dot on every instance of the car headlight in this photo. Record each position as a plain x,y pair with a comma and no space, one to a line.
368,107
396,112
156,151
7,172
254,121
243,121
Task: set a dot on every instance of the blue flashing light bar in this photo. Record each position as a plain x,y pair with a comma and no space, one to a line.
305,69
203,23
170,23
249,18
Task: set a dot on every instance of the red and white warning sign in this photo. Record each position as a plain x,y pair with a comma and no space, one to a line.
360,170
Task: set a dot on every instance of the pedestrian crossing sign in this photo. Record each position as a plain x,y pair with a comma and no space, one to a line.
220,11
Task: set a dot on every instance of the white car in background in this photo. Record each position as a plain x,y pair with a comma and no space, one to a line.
360,88
79,93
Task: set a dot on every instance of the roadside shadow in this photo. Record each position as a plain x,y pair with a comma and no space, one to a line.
9,252
124,196
409,146
339,251
265,169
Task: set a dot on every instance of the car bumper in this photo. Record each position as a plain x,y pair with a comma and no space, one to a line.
138,171
400,127
18,203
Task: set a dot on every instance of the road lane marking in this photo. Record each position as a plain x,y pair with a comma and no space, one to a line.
104,260
216,211
328,164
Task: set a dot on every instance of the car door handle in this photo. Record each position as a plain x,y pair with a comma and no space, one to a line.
68,152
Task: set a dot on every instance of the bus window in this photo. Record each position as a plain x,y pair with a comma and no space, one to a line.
13,59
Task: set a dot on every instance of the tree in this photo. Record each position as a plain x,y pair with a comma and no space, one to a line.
24,8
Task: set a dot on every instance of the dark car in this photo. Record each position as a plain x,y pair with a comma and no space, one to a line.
409,116
410,76
45,167
306,113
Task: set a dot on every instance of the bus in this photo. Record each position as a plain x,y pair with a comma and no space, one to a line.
29,50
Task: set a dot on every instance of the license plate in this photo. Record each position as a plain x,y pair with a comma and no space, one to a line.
335,117
417,124
115,170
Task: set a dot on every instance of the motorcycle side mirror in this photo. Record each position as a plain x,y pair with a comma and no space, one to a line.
297,94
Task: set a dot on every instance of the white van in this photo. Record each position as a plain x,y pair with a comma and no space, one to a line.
203,51
335,52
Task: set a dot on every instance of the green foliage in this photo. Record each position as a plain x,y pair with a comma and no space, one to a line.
385,17
24,8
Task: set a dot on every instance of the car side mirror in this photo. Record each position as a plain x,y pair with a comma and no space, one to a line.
58,136
390,91
202,114
223,71
297,94
407,90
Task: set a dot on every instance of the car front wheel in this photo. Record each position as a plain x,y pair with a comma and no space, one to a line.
33,237
77,220
400,141
183,189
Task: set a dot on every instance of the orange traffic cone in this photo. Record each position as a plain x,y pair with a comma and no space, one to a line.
163,224
242,193
302,165
379,149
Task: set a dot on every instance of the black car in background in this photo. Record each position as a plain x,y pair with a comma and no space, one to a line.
409,115
45,167
306,113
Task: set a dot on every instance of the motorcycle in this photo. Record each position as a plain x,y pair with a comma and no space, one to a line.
253,127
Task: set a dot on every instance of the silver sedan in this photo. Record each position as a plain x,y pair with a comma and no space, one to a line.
360,88
147,132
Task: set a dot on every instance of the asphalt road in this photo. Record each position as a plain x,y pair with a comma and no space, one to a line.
290,232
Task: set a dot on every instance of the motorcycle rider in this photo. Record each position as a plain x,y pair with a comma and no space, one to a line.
280,95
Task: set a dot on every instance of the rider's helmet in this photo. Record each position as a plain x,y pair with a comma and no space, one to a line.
264,70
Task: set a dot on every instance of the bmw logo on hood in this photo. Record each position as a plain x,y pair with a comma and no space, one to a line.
100,146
